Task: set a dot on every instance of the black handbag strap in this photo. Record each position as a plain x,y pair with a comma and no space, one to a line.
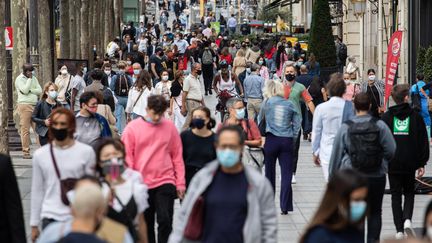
54,161
67,88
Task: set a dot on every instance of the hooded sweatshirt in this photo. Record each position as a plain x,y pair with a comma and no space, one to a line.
409,132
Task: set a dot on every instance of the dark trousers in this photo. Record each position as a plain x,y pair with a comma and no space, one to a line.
296,148
280,148
207,71
306,119
161,202
43,140
190,171
375,197
402,184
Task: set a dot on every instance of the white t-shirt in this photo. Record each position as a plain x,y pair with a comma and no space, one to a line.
192,85
181,45
141,104
112,48
79,84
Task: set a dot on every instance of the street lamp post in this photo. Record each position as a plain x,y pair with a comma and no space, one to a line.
359,9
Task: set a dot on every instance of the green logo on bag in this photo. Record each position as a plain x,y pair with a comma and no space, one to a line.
401,127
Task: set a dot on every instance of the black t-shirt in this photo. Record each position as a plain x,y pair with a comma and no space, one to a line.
158,65
374,97
225,208
197,151
304,79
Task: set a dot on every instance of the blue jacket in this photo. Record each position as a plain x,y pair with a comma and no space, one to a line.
105,128
281,117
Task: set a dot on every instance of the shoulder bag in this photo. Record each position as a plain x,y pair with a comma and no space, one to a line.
67,184
68,93
262,125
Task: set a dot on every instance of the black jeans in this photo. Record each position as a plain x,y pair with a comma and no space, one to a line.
43,140
402,184
296,148
375,197
207,71
190,171
306,119
161,202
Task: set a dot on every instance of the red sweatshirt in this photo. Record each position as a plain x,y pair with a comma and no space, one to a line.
156,152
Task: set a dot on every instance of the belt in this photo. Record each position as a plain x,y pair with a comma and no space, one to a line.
194,100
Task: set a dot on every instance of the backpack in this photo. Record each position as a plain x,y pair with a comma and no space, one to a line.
343,52
416,99
365,151
207,57
122,86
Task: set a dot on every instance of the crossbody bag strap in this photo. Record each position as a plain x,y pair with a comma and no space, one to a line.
54,162
139,96
67,88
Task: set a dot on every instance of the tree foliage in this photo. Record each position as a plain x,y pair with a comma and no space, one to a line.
421,55
427,67
271,15
321,37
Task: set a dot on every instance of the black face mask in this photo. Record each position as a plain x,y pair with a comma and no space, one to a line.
290,77
161,54
59,134
198,72
197,123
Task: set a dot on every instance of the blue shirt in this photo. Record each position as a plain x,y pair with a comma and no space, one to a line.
282,118
325,235
304,79
253,86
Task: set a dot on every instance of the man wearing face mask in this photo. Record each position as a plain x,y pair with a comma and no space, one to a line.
181,43
28,90
90,125
237,200
154,148
126,46
107,68
156,66
192,93
151,49
73,159
63,82
294,91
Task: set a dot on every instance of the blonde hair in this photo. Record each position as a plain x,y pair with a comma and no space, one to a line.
88,201
273,88
46,88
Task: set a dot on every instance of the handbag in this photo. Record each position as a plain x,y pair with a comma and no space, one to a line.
253,156
262,125
67,184
194,226
416,100
68,93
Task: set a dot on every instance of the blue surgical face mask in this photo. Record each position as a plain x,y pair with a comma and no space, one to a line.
136,71
240,113
260,62
84,70
227,157
357,210
248,70
53,94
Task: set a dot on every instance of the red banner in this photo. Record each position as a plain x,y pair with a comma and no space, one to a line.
393,53
9,38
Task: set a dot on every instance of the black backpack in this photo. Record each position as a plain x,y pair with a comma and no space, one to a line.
365,151
122,86
416,100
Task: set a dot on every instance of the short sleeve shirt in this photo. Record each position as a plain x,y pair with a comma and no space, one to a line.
158,64
192,85
78,83
295,93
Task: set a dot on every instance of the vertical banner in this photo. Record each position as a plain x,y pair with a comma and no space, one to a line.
393,53
9,38
215,26
202,10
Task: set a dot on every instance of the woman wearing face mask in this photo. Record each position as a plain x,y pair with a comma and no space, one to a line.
374,88
198,142
42,111
341,214
164,88
281,57
282,127
138,94
129,192
352,88
176,100
263,68
63,82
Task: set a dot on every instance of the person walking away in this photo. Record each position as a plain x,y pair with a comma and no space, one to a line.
72,159
28,90
98,85
374,88
352,89
90,126
192,95
253,92
365,144
207,57
42,111
313,66
280,58
232,24
156,153
12,227
63,82
113,48
77,88
341,54
263,70
156,66
235,200
328,119
130,194
253,53
305,79
295,91
176,100
269,52
280,133
97,65
420,91
138,95
105,111
342,211
198,142
239,63
412,154
120,85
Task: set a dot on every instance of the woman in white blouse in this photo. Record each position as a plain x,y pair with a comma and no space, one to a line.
138,94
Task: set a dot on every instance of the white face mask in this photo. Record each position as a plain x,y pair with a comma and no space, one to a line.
164,78
107,72
64,72
372,77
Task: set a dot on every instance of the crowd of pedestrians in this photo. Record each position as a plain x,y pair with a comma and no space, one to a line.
122,141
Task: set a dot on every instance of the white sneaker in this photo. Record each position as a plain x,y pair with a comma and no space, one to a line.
407,224
409,231
399,236
293,180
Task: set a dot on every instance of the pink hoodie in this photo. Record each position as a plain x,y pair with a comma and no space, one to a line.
156,152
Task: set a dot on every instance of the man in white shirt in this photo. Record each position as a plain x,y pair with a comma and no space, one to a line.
181,43
113,48
232,24
207,32
330,113
192,93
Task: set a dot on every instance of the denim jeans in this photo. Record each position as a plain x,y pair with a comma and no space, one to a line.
120,112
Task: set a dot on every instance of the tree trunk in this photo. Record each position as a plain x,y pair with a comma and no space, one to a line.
93,27
64,30
4,145
116,18
45,42
85,29
108,22
72,29
77,28
101,5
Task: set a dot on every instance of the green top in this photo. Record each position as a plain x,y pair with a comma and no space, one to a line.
28,90
295,93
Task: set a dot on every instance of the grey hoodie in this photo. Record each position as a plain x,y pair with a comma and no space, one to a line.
261,221
340,158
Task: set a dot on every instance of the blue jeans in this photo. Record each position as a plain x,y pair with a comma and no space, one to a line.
280,148
120,112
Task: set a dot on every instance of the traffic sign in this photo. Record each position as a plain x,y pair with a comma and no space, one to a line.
9,38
